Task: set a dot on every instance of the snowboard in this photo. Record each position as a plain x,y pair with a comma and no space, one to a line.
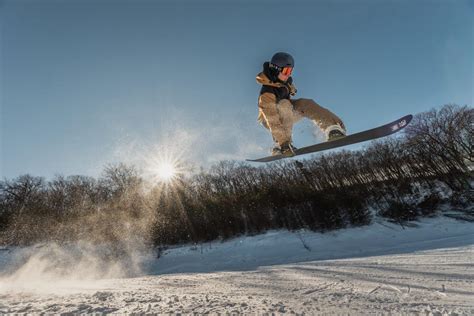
363,136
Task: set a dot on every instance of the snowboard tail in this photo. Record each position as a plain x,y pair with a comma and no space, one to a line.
363,136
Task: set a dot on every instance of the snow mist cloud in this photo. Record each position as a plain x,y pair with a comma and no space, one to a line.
61,269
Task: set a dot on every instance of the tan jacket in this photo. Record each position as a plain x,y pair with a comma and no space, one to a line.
279,90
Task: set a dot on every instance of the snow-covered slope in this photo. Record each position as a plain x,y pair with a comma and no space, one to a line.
365,270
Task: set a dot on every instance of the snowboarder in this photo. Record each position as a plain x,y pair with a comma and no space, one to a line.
278,112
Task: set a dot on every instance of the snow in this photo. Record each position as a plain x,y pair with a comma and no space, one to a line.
424,268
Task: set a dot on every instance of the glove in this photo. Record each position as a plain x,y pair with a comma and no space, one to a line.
292,89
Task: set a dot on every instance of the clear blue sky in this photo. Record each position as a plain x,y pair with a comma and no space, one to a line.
85,83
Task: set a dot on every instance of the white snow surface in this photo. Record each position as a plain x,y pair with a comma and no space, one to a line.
382,268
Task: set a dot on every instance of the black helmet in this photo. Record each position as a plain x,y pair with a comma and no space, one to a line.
282,60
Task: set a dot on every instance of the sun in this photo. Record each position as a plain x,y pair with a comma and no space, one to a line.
164,166
166,171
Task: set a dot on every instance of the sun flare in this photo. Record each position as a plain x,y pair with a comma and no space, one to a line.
166,171
164,166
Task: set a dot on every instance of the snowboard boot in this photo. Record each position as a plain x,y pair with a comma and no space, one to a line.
335,132
288,150
276,150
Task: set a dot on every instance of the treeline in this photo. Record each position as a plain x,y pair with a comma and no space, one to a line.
400,178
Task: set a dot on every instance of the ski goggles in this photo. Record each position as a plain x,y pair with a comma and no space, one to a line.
287,71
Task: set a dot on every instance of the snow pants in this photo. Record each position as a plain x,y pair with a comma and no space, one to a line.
280,117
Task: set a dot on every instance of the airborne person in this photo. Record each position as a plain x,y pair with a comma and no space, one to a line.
278,112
